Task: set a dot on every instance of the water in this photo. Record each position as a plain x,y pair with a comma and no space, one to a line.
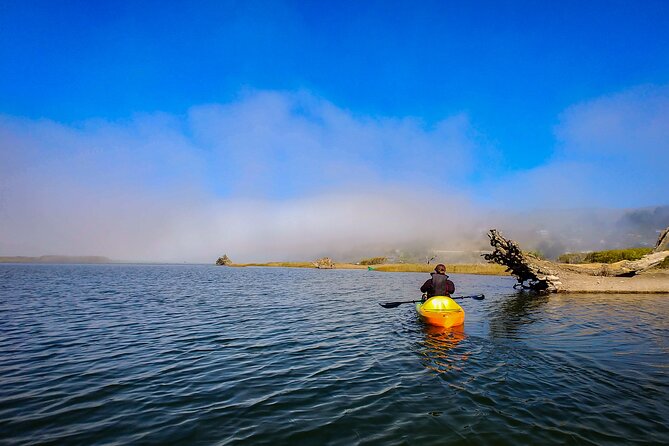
159,354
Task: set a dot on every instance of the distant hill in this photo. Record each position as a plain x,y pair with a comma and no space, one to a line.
56,259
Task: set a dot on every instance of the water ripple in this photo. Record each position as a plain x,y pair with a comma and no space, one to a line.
160,354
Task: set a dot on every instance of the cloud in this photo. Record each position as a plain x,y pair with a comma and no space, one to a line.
612,151
290,176
288,143
271,176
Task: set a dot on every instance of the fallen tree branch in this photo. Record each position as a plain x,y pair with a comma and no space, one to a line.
529,271
535,274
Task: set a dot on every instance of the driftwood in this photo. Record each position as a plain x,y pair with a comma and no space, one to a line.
662,241
525,267
542,275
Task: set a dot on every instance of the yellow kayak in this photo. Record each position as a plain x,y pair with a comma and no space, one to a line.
441,311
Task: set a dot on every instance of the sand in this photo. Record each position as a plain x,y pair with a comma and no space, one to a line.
650,282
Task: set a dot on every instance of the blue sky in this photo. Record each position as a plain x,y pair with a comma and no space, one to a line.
281,102
513,66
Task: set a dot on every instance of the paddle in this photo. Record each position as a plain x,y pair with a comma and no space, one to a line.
397,304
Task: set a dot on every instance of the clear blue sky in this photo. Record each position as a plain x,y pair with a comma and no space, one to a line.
184,113
513,66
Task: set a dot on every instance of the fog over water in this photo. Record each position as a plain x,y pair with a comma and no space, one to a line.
290,176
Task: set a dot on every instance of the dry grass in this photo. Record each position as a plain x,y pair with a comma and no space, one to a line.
464,268
351,266
278,264
478,268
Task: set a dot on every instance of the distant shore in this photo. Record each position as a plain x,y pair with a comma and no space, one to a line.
56,259
455,268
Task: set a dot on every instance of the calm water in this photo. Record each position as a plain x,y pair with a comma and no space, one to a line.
141,354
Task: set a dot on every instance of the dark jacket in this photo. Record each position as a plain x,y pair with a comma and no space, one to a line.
438,285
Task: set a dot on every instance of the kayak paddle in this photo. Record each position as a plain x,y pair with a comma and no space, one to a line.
397,304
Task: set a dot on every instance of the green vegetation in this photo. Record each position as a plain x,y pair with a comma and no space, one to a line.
616,255
373,261
610,256
572,257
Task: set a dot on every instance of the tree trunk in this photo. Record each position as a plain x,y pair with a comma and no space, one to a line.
662,241
542,275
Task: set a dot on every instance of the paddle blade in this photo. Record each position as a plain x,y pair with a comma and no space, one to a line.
397,304
475,297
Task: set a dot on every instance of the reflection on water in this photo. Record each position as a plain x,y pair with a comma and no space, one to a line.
438,348
515,310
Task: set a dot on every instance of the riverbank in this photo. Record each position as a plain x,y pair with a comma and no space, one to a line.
647,274
648,282
465,268
597,278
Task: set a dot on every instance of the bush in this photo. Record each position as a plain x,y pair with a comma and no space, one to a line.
373,261
572,257
616,255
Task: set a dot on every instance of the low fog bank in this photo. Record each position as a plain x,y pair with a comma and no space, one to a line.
346,226
555,232
548,232
278,176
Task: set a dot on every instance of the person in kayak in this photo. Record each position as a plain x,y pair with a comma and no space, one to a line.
438,285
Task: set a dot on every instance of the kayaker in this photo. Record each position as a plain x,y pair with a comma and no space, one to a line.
438,285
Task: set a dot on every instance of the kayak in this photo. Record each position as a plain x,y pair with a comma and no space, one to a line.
441,311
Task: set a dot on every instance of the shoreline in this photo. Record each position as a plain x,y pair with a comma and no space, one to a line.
488,269
654,281
648,282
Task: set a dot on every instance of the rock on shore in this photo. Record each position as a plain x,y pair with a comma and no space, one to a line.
324,263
